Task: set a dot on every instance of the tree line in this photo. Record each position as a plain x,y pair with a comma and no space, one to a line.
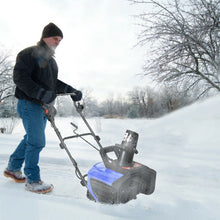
141,102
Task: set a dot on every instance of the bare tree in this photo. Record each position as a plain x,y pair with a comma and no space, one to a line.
109,107
140,97
8,102
89,103
183,40
6,82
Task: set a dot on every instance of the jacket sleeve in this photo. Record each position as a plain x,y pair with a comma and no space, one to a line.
62,87
22,73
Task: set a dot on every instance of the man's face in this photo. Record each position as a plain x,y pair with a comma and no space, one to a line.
52,42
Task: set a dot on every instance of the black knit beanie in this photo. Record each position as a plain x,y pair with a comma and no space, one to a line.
51,30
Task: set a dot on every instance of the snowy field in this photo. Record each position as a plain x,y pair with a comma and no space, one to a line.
183,147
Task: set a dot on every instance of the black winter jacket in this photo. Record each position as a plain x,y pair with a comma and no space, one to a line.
36,72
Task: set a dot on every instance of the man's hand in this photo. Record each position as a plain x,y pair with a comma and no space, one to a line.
49,111
77,96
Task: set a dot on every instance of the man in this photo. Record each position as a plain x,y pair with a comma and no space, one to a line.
35,75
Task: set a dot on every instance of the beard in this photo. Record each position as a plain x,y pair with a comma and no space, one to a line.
53,47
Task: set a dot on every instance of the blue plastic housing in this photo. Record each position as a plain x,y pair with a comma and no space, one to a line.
103,174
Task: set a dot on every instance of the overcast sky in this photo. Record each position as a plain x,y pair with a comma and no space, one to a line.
97,51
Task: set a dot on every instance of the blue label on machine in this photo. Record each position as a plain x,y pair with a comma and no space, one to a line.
103,174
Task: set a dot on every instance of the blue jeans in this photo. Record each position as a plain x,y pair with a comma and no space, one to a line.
28,151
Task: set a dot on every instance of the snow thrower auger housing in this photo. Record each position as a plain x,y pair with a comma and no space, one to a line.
112,181
120,180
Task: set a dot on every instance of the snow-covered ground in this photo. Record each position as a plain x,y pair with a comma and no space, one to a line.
183,147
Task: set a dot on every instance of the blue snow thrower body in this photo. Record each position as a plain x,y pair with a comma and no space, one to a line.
119,180
112,181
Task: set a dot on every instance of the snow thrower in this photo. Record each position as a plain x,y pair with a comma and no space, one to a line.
112,181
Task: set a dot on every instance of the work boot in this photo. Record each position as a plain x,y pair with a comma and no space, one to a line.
39,187
16,176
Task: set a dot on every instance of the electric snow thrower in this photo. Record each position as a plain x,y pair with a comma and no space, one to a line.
111,181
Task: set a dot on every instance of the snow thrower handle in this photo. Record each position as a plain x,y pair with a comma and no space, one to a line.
50,110
79,108
64,94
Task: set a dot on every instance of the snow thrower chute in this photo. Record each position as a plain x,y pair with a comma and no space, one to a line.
111,181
